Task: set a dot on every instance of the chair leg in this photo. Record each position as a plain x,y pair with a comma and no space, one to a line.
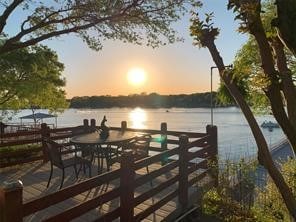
84,168
151,184
107,157
99,155
102,163
51,169
63,175
108,165
89,166
99,164
76,172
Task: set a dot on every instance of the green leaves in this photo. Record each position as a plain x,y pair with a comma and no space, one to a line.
202,30
31,76
140,22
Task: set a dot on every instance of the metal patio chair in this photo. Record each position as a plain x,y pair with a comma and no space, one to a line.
54,151
139,147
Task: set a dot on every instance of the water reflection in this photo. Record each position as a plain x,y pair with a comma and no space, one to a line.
138,118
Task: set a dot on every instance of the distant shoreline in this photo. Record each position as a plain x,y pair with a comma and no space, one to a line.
153,100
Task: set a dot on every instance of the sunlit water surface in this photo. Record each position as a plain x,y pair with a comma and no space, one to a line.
234,135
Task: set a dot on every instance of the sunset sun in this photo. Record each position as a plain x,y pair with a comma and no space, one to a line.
136,76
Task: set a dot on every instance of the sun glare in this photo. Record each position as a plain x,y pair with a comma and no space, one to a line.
136,76
138,118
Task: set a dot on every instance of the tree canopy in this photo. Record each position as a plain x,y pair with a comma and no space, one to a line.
135,21
31,77
247,70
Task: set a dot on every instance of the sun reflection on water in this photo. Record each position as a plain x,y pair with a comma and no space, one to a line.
138,118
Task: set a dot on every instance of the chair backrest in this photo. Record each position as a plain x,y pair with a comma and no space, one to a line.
85,151
54,151
140,146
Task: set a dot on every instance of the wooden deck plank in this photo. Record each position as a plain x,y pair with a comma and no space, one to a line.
35,175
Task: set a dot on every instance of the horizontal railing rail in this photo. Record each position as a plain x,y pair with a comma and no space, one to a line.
86,206
68,192
27,138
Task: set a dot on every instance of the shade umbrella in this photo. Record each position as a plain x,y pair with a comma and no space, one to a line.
39,116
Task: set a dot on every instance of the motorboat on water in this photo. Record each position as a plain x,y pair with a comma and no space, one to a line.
270,125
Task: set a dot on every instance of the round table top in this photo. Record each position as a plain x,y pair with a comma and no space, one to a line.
115,136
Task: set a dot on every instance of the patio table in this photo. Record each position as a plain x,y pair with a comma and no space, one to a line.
103,145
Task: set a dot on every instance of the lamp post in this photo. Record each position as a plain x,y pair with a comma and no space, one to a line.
212,114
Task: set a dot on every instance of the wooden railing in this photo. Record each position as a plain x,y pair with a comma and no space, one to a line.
34,137
29,138
188,147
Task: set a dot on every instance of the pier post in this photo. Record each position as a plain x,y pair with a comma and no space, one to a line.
11,201
183,171
164,143
45,133
127,180
213,142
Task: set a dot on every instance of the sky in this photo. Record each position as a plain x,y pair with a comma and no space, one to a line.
173,69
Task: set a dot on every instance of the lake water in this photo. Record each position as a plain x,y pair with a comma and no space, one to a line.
234,135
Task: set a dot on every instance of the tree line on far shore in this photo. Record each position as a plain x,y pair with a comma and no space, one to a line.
144,100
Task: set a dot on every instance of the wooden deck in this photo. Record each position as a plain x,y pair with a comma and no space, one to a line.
34,177
130,193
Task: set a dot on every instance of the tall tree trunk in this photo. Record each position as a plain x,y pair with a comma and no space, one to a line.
286,23
289,91
273,91
280,115
285,74
264,155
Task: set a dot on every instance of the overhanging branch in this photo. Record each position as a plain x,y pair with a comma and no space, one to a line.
7,12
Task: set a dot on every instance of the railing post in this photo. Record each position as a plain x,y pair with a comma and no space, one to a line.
123,125
127,179
183,171
85,125
11,201
213,142
93,123
164,143
45,133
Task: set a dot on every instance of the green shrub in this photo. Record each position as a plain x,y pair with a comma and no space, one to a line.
18,148
222,202
220,205
267,205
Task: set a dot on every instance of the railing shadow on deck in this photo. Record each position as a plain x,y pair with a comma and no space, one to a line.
188,147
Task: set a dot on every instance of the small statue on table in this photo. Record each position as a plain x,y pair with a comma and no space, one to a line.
104,129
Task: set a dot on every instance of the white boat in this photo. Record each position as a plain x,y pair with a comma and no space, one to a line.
269,125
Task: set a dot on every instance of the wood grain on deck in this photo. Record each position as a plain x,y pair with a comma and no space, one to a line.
35,176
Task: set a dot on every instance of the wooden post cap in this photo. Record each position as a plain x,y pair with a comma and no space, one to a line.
92,122
163,126
123,125
85,122
12,185
183,139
